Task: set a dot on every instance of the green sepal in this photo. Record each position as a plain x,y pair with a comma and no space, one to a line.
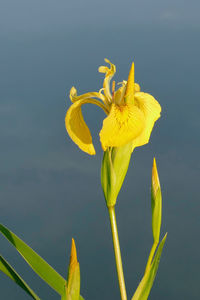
113,171
6,268
73,287
64,295
156,205
146,283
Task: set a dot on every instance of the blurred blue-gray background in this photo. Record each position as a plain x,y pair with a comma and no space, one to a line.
50,190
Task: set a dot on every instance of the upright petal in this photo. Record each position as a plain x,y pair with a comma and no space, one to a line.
76,126
123,124
129,95
119,94
151,109
109,74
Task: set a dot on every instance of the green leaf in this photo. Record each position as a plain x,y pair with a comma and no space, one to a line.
39,265
146,283
11,273
36,262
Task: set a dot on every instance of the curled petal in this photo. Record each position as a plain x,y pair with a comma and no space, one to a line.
136,87
74,97
151,110
123,124
109,74
76,126
73,94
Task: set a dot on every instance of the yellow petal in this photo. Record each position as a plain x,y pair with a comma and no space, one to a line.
123,124
109,74
129,95
151,110
119,94
136,88
76,126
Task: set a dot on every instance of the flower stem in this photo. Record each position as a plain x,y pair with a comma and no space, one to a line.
117,251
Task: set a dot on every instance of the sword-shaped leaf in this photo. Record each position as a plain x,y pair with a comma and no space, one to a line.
36,262
6,268
146,283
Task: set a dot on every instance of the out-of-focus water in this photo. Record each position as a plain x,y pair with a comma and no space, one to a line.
50,190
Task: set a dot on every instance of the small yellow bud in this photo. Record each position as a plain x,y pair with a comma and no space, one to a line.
73,256
73,281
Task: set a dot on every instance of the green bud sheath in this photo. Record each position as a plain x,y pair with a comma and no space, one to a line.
113,171
73,280
156,203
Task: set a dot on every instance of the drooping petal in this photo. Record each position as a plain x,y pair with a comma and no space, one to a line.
151,110
109,74
76,126
123,124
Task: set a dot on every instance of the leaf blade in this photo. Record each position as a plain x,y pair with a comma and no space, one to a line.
36,262
147,281
6,268
53,278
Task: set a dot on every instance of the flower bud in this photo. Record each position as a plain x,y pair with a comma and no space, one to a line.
156,203
72,289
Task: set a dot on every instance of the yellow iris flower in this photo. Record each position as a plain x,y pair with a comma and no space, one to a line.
131,114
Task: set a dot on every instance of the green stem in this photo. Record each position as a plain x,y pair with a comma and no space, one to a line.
117,251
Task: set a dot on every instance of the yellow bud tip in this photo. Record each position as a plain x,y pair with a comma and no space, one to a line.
155,178
73,256
130,83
